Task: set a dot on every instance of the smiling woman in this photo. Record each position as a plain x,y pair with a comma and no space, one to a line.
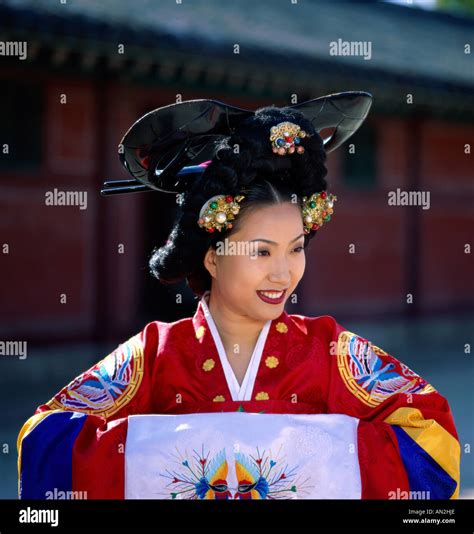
328,413
267,191
270,191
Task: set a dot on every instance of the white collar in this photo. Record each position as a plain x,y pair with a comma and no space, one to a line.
243,392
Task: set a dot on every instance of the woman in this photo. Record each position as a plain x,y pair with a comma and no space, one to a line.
352,420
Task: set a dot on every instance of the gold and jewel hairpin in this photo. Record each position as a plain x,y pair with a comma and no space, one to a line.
218,212
286,138
316,210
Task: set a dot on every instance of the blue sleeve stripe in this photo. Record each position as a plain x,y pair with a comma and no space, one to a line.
424,473
46,455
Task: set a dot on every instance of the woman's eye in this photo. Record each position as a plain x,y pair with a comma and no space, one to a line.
297,250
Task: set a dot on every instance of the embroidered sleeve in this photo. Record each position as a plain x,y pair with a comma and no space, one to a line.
109,385
64,446
404,421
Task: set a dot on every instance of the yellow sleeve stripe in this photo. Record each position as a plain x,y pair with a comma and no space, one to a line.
432,438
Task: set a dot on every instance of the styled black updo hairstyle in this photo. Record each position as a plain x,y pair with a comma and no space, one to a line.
246,164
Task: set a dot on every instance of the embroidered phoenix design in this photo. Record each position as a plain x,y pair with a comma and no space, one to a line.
258,477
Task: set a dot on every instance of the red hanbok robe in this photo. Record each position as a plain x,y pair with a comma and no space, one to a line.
406,438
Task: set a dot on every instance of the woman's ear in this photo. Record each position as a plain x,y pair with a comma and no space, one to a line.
210,261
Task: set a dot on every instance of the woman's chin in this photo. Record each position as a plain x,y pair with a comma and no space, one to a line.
271,311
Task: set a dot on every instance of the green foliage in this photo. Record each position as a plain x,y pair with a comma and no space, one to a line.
457,6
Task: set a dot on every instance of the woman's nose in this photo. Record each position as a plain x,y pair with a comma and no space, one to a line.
281,274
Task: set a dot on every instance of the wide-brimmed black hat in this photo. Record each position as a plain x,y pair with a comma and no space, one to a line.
165,149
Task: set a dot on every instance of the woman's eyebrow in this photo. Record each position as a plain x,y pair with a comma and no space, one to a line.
273,242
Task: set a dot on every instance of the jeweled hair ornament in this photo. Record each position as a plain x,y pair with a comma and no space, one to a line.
316,210
219,212
286,138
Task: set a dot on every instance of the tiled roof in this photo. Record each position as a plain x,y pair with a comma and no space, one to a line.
404,40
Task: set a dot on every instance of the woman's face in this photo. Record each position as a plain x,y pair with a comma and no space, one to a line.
270,258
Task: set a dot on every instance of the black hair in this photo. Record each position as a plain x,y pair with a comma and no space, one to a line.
243,163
